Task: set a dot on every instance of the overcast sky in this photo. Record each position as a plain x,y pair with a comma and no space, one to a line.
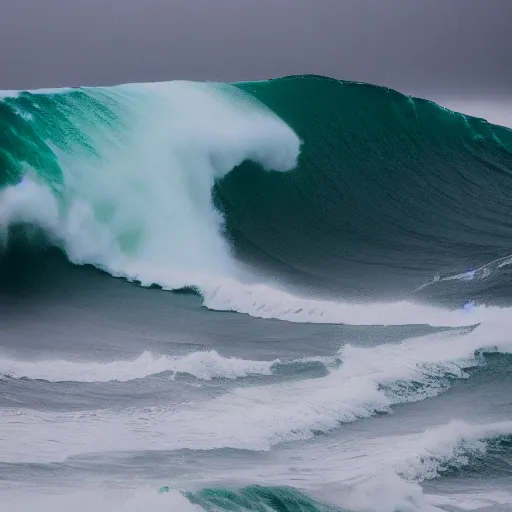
418,46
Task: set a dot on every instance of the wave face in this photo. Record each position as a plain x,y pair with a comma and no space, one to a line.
389,190
175,184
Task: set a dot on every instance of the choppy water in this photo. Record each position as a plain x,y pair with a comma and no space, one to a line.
338,335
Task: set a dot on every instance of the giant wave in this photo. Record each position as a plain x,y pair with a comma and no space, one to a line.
175,184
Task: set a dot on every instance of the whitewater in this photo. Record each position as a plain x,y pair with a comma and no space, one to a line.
281,295
136,201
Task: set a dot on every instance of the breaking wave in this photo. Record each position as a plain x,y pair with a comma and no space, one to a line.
180,185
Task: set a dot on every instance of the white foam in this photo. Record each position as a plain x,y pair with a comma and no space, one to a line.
391,467
112,500
386,492
156,183
30,202
371,468
473,500
264,301
140,205
430,451
365,476
368,381
381,472
204,365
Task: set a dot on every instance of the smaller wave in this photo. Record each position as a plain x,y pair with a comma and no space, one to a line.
400,463
257,497
450,447
204,365
369,381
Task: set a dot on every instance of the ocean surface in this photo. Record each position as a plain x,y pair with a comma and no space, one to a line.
288,295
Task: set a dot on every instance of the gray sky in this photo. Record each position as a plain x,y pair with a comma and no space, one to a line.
418,46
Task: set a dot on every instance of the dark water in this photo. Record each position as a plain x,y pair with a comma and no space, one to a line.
389,190
338,334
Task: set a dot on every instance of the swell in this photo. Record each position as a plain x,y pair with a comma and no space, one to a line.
389,190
